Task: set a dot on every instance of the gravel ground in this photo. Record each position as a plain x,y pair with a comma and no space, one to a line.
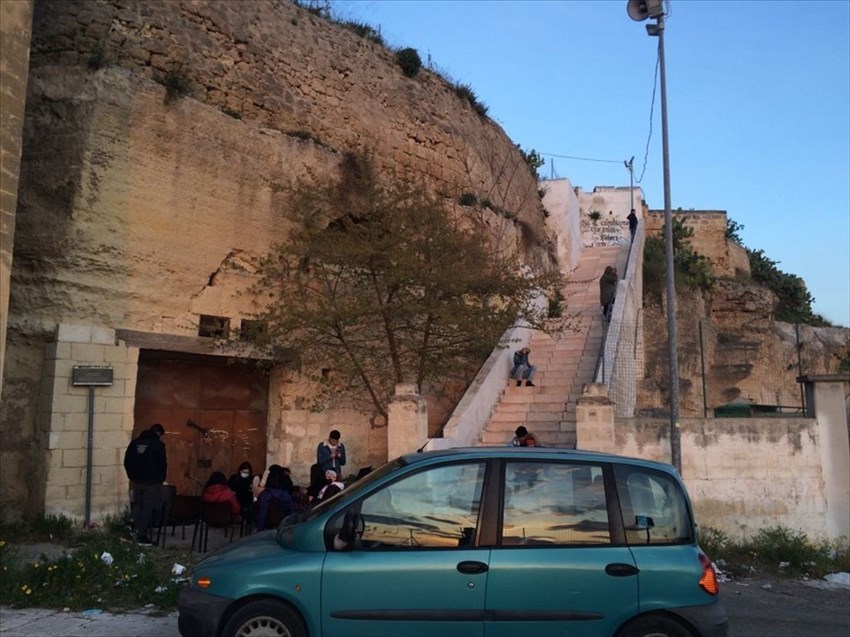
785,607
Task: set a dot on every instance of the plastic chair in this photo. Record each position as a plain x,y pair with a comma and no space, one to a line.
185,510
275,514
217,515
160,516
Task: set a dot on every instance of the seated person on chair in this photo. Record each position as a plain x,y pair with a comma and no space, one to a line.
276,489
240,484
216,490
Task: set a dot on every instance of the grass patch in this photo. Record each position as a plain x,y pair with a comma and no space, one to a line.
81,569
365,31
777,550
466,93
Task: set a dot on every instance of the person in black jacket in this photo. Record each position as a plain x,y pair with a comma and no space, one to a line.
146,464
607,290
241,483
633,221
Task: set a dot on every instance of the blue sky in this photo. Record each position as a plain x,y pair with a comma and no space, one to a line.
758,96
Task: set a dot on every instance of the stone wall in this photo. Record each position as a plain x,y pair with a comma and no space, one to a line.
562,203
15,27
728,259
742,474
612,203
63,419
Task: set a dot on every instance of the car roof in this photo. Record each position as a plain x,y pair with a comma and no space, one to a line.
511,452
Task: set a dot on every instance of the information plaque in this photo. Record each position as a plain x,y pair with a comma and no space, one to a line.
88,375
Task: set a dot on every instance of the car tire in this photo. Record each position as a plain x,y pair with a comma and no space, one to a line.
654,626
265,618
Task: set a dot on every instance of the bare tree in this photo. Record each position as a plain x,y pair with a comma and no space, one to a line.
382,285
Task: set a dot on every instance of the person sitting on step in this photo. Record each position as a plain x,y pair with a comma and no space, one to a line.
523,369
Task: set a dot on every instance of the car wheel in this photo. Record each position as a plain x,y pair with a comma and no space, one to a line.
265,618
654,626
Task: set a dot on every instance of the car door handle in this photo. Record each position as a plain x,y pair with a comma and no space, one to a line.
621,570
471,567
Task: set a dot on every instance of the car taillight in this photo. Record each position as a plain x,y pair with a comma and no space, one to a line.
708,579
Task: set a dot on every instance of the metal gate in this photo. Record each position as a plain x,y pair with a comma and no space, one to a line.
213,410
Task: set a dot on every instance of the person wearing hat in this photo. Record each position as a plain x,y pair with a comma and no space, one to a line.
146,464
330,454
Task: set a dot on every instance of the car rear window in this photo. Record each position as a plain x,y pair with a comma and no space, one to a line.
655,507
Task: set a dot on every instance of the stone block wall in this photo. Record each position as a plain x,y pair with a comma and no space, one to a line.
63,416
709,240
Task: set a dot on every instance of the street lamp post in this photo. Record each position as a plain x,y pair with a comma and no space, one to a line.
640,10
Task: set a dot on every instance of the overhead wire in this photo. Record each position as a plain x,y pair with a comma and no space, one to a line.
668,13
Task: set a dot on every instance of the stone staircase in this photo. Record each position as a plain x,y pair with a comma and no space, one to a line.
564,364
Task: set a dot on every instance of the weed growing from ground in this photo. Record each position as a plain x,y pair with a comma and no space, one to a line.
97,568
775,550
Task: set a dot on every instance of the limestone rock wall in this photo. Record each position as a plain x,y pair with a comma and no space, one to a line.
744,353
281,67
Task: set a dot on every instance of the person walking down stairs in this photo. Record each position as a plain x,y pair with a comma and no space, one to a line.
523,369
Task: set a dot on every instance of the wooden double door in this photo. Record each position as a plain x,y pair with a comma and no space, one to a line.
213,409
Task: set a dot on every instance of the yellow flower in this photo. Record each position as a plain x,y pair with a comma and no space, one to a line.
2,543
29,591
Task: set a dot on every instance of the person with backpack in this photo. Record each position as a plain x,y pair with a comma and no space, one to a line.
146,465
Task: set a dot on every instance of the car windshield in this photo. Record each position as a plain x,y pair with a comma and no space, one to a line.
351,491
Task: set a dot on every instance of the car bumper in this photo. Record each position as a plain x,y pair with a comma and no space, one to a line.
710,620
199,613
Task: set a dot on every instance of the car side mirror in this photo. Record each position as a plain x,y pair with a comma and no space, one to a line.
351,525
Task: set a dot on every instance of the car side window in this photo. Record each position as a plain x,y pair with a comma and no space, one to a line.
554,504
434,508
655,508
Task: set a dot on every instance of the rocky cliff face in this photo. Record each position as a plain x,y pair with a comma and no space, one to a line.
135,198
731,349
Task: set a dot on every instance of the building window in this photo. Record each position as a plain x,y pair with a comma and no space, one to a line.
214,326
251,330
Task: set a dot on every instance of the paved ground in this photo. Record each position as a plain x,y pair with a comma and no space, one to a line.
36,622
760,607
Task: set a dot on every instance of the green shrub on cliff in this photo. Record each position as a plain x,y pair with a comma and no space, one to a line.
409,61
692,270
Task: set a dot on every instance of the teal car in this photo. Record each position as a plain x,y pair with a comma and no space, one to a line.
480,542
